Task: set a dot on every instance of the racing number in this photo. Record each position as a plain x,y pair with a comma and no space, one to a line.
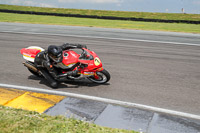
97,61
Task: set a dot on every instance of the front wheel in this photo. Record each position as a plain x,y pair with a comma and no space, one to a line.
101,78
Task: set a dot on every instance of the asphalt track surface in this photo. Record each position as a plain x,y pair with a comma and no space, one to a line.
151,68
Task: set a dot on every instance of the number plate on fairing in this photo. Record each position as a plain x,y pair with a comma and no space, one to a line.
97,61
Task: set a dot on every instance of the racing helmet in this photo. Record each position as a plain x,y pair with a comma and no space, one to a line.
55,53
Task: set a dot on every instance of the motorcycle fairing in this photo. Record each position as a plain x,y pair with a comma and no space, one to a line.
30,52
93,64
70,58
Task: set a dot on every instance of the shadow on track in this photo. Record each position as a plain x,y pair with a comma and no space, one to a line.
68,83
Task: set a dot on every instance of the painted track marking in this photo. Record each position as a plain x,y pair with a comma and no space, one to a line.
110,38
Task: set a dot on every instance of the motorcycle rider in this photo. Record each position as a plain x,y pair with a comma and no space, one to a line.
47,61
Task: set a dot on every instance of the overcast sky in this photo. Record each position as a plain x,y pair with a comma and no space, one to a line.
170,6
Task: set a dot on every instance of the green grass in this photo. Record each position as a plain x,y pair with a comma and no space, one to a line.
21,121
54,20
164,16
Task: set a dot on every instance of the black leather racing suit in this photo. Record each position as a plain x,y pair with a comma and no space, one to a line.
47,67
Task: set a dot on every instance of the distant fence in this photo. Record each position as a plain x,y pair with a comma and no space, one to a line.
100,17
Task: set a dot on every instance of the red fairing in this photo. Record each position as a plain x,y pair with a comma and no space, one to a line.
92,64
70,57
29,52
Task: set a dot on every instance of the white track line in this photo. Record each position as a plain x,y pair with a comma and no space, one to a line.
105,100
96,37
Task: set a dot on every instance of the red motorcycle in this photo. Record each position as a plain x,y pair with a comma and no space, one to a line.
87,63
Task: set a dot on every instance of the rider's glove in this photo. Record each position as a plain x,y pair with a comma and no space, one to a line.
84,46
81,46
47,65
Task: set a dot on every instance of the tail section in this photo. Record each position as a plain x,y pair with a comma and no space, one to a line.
30,52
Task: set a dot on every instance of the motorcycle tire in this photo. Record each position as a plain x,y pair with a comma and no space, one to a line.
104,77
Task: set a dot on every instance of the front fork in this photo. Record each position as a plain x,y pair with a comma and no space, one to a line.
96,76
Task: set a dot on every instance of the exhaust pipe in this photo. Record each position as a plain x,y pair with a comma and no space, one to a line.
30,66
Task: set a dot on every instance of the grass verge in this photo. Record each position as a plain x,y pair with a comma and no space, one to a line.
54,20
126,14
17,121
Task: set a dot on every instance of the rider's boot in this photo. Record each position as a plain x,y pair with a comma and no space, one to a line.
53,83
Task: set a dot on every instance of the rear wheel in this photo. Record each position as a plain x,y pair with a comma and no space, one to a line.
101,78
